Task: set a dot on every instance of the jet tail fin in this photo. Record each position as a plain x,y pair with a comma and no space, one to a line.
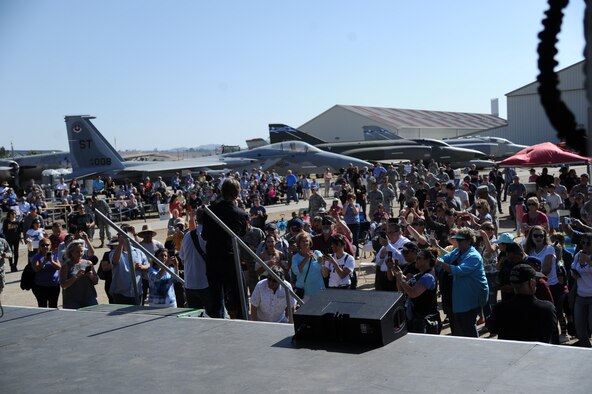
281,133
375,133
90,152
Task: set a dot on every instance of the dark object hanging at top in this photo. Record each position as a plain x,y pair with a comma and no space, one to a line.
561,118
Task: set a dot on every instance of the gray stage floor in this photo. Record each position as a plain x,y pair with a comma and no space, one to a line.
126,350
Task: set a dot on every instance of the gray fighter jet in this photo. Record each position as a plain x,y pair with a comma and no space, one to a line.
92,154
22,168
496,147
380,145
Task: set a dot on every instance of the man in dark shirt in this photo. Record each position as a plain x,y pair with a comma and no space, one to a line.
544,179
220,265
523,317
451,200
81,220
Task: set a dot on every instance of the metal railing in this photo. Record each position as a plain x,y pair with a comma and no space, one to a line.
236,242
131,241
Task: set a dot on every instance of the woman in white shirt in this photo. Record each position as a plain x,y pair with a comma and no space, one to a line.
339,265
538,245
33,235
581,269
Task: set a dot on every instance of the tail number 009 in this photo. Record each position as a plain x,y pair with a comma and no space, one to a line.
100,161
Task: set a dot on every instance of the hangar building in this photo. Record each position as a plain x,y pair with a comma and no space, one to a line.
527,121
346,123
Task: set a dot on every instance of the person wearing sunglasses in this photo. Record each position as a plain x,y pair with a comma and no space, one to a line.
469,283
421,305
538,245
533,216
46,266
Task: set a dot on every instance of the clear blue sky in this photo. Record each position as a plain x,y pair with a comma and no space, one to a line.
185,73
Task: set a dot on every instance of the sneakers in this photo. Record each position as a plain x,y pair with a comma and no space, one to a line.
564,338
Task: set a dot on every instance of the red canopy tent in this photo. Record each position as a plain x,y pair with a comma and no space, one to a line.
542,155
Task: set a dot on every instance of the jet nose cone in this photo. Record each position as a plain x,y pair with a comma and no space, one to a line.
360,163
337,161
470,154
478,154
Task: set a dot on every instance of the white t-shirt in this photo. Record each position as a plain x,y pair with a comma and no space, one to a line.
35,236
463,196
346,261
554,201
270,306
548,249
397,256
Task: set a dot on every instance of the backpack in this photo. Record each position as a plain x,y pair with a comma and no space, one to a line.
27,278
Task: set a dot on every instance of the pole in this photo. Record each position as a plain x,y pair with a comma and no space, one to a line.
137,245
239,278
249,251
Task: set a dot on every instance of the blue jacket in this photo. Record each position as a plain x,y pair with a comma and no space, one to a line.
469,284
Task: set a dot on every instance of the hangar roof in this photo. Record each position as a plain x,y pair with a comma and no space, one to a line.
411,118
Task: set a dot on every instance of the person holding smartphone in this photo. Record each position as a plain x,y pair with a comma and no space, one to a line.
339,265
46,266
390,241
78,278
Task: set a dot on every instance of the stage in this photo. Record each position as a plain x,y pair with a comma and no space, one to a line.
128,349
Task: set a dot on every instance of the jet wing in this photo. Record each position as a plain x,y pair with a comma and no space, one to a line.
134,168
165,166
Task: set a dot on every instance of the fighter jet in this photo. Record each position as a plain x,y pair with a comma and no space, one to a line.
496,147
92,154
379,147
444,153
22,168
375,150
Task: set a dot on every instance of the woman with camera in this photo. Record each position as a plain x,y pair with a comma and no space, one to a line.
306,267
339,265
46,266
422,305
78,278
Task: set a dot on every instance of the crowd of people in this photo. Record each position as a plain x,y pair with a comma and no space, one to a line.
434,232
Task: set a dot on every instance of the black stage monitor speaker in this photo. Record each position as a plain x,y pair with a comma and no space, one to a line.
373,318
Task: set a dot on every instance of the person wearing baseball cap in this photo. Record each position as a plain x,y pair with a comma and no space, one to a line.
504,239
470,291
316,202
523,317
